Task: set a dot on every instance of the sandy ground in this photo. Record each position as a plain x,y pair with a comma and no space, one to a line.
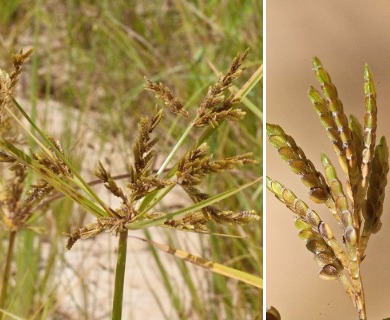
344,35
88,278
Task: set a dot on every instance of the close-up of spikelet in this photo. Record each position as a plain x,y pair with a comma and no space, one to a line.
333,142
366,179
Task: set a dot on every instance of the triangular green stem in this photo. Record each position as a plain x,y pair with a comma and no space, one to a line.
120,276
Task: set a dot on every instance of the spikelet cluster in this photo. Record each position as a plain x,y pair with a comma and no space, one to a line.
190,171
358,205
18,200
217,107
8,81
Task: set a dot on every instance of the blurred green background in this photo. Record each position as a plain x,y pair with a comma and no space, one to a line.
84,85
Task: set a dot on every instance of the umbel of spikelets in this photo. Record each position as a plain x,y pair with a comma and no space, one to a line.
193,167
358,205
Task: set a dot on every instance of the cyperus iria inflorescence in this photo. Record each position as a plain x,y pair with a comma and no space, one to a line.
357,206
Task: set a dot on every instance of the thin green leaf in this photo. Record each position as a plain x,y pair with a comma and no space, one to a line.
53,179
197,206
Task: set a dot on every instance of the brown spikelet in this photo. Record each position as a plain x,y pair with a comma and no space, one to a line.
142,178
196,165
375,193
299,164
110,183
164,94
9,81
112,224
216,107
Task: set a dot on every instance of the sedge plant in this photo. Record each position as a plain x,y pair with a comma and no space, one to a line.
184,167
357,206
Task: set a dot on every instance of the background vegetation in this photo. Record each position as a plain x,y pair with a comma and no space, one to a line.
85,85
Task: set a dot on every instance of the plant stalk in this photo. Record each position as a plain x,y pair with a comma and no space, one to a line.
360,301
7,270
120,276
174,150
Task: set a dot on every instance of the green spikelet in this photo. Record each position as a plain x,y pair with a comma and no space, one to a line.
335,106
375,193
329,124
357,137
298,163
350,233
370,120
307,219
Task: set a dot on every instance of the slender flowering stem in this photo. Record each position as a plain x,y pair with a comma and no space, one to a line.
175,149
7,270
120,276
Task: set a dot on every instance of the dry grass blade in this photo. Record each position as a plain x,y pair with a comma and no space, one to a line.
209,265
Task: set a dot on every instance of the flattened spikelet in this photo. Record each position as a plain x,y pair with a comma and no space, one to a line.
299,164
91,230
8,82
327,120
164,94
335,106
375,193
110,183
357,137
216,107
370,120
196,165
317,234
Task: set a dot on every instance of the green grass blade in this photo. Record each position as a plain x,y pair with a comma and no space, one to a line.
197,206
53,179
84,184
